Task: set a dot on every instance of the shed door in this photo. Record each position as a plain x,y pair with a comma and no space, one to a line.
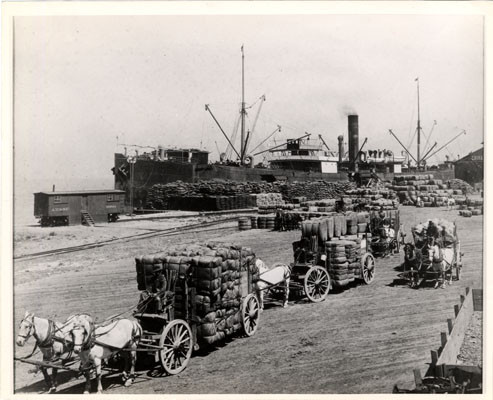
84,203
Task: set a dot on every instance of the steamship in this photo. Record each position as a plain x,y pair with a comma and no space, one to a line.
299,159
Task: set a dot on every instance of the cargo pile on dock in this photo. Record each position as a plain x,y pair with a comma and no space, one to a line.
423,190
219,275
225,195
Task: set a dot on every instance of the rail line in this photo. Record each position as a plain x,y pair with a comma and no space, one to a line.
199,227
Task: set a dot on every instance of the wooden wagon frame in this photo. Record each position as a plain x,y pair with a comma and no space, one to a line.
415,277
172,340
380,246
311,274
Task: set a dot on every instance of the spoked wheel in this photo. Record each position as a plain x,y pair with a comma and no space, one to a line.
368,268
250,313
177,343
316,284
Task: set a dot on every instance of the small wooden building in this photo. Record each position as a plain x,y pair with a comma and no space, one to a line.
78,207
471,167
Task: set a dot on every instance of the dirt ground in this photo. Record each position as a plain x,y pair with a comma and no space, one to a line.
471,351
363,339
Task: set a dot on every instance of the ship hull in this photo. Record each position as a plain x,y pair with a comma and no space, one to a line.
147,173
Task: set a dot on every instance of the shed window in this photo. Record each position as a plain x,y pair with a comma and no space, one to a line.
112,197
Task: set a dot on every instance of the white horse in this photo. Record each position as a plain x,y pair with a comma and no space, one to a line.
52,338
441,262
269,278
97,344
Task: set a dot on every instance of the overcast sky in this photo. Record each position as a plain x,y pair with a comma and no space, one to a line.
82,81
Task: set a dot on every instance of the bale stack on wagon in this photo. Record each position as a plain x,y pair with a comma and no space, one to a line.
217,272
336,227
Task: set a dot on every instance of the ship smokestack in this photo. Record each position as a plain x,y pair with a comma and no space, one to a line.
341,147
353,138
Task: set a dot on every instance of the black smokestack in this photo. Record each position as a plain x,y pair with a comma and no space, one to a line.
353,134
341,147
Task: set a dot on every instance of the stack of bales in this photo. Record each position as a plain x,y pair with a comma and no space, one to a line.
218,272
432,192
177,194
344,260
471,207
460,185
341,237
266,202
371,198
314,190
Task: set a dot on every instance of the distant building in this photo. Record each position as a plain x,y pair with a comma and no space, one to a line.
470,167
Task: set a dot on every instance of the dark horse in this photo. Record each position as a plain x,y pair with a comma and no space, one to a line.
413,264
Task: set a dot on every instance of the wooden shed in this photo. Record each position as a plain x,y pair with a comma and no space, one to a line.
471,167
78,207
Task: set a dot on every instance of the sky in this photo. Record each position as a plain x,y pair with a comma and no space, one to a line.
84,84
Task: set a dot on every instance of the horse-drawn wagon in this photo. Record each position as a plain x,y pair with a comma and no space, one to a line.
386,232
192,297
331,253
434,254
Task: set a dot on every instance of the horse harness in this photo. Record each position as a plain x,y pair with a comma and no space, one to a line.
47,343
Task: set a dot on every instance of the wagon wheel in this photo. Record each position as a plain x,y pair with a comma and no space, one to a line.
368,268
250,313
176,343
316,284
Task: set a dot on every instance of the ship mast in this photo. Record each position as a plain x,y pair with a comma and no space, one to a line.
242,148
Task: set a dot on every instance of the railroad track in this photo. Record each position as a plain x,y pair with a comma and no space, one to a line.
199,227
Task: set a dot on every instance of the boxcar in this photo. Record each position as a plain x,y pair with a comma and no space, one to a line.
78,207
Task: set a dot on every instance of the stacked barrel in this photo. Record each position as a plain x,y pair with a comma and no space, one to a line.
338,235
219,274
344,258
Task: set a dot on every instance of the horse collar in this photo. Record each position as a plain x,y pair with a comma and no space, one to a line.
91,338
48,342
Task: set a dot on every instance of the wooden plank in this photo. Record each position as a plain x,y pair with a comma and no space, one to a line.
45,364
452,347
477,299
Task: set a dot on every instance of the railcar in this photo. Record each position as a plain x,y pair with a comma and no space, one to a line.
85,207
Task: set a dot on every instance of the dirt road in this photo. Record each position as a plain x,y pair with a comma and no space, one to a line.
363,339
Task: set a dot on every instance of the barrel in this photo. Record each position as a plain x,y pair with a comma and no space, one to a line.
244,223
261,221
253,221
270,222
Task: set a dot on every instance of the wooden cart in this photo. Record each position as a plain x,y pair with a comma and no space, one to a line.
311,274
418,271
170,332
381,244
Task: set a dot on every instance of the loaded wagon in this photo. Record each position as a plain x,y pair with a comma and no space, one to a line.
192,297
434,254
386,232
333,252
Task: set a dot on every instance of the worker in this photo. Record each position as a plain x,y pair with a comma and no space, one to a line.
389,232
